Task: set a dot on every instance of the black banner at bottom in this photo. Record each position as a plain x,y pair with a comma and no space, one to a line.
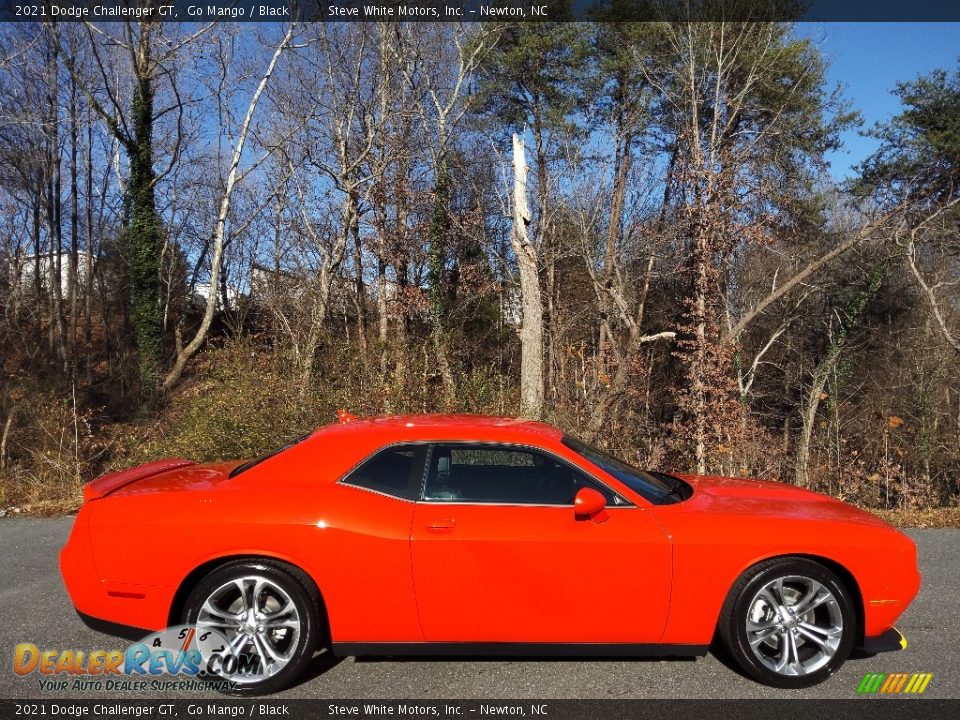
869,709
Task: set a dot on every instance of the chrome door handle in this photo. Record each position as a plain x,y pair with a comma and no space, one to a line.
442,525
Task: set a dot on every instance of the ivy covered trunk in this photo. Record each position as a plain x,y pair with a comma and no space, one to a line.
144,236
437,272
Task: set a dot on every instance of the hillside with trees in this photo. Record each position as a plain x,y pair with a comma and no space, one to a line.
213,237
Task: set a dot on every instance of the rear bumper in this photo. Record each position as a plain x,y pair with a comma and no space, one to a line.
890,641
136,606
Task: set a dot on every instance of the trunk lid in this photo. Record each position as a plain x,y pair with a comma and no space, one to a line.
111,482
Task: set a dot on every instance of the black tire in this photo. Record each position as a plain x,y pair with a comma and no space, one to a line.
734,615
301,592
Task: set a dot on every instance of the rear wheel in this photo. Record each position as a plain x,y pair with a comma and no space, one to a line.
267,613
788,623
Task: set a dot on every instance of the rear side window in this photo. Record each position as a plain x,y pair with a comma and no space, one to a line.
396,471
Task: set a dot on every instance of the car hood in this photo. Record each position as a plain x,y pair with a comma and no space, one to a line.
714,493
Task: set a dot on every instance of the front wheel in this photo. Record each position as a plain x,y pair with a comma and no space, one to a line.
268,616
788,623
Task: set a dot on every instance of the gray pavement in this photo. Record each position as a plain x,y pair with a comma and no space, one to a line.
34,608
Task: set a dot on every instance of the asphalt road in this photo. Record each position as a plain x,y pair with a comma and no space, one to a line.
34,608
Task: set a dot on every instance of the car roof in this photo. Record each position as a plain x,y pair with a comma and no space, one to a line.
481,426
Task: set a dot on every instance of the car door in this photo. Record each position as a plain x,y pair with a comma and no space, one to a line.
499,555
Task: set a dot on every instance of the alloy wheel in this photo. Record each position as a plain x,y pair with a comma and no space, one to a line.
258,618
794,625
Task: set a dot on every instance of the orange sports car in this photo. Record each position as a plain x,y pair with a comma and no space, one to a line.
476,535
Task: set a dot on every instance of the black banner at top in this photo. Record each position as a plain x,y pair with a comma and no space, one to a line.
478,10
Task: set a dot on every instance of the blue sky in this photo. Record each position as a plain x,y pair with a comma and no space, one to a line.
868,59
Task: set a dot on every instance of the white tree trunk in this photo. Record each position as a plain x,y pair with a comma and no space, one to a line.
531,329
185,353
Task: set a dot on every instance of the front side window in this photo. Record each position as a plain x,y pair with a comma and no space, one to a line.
396,471
504,474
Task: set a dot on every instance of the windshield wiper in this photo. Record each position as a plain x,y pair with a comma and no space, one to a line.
678,488
240,468
676,492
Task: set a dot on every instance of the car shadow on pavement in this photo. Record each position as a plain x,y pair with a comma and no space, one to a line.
111,629
320,664
720,653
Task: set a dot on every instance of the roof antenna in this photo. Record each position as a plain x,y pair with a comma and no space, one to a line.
344,417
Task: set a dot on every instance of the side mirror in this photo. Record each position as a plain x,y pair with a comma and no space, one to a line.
590,504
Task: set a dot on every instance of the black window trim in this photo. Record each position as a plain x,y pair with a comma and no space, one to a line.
424,471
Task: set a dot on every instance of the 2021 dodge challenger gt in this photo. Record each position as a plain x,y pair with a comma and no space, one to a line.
470,535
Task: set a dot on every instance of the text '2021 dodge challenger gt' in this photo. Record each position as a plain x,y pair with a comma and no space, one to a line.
475,535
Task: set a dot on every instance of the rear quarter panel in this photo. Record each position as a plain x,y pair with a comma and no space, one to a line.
353,543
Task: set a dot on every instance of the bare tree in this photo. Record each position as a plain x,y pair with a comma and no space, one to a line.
185,352
441,63
917,230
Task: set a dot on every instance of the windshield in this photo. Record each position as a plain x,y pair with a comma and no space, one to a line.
658,488
250,463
